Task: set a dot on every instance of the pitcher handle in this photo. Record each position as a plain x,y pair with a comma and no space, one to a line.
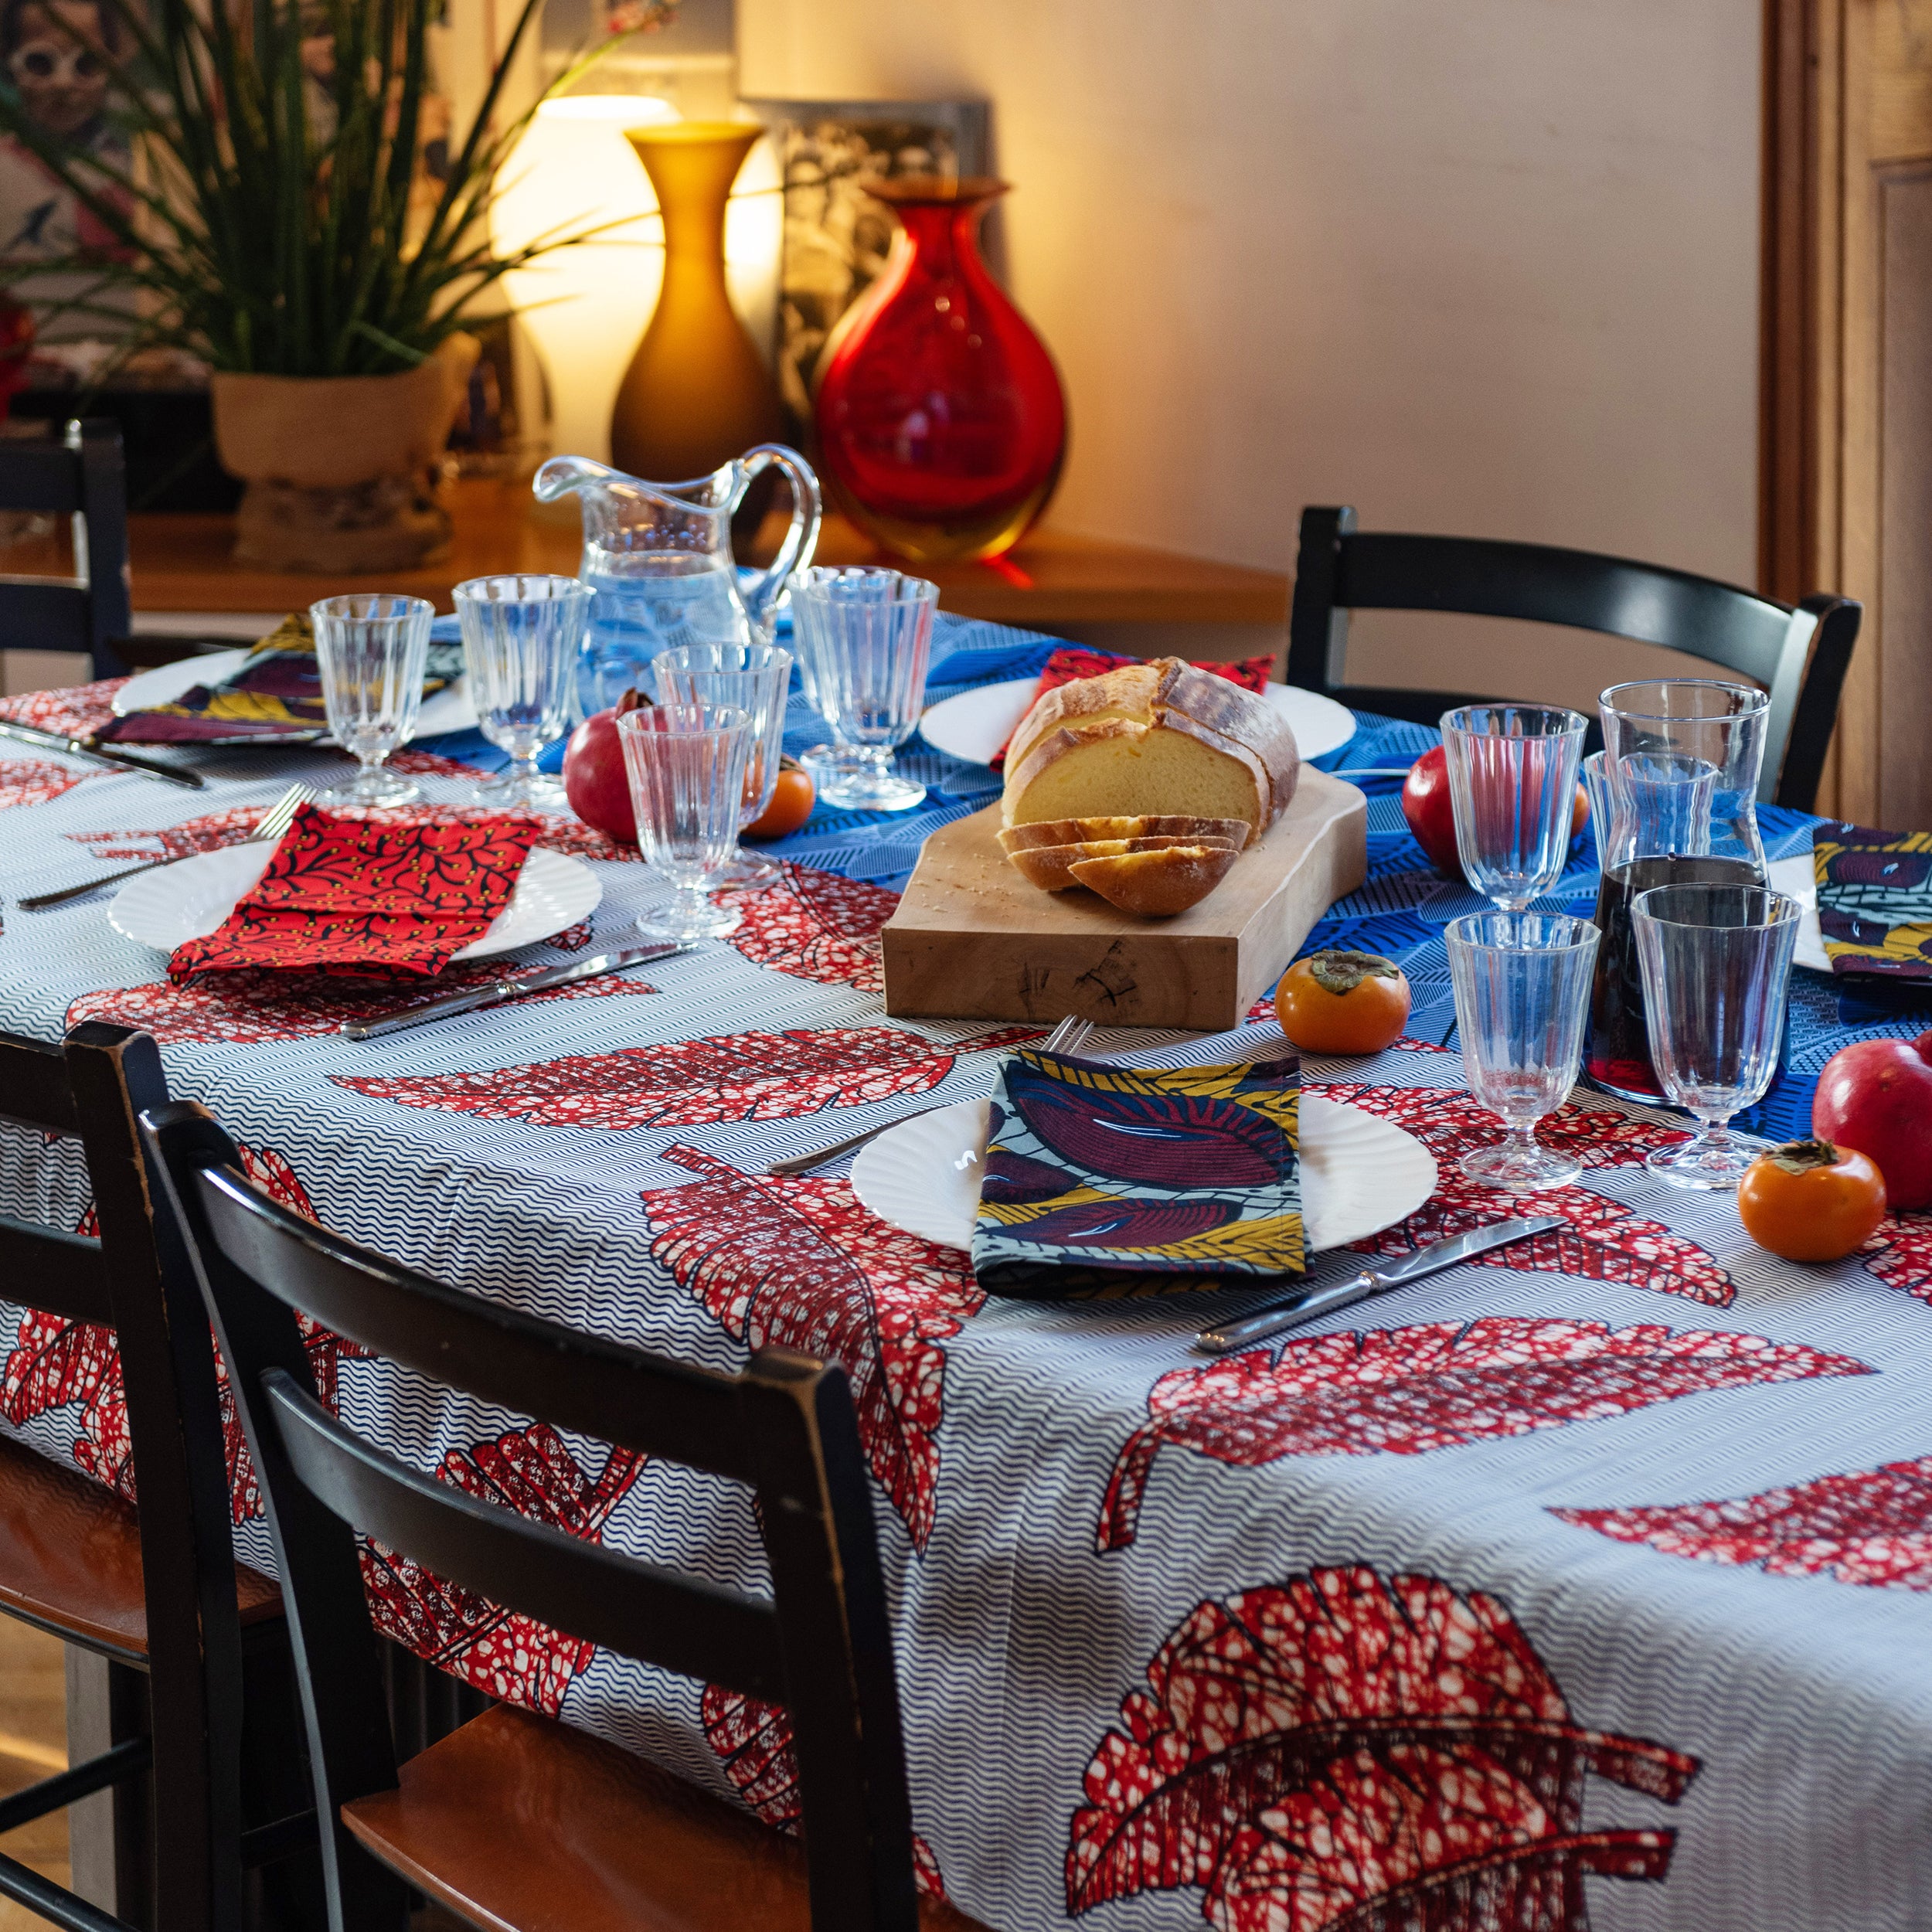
801,540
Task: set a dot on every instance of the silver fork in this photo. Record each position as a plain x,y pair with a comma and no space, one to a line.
1068,1037
273,822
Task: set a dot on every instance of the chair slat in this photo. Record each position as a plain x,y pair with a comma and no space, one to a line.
34,1087
660,1407
634,1607
65,1274
42,477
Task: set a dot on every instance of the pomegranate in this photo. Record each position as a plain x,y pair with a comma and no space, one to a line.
593,775
1876,1097
1427,806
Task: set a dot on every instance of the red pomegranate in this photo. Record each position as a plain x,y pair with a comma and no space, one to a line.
593,776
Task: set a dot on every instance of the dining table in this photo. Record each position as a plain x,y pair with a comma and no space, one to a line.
1591,1578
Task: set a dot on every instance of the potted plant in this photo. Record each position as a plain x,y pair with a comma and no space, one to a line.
278,220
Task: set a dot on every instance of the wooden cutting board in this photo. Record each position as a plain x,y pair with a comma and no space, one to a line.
972,939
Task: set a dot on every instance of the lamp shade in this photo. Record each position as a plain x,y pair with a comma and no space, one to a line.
585,306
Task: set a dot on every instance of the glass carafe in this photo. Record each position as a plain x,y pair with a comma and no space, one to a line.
659,555
1681,758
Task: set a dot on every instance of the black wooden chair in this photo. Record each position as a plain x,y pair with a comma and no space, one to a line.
517,1820
156,1592
1798,656
79,474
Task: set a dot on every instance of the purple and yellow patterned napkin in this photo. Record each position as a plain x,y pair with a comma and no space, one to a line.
1117,1180
1874,900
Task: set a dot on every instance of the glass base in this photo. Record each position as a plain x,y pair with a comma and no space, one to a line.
1519,1167
373,785
848,781
1712,1159
535,790
746,870
683,921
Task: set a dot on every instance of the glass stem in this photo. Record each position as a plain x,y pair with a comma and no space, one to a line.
1522,1135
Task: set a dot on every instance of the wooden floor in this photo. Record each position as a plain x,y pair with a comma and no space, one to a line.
33,1742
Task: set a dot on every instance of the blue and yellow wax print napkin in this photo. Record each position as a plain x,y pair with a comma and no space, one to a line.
1112,1180
1874,900
275,693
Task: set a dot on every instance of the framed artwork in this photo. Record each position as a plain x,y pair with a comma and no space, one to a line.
836,235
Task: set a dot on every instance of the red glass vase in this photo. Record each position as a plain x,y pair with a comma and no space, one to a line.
941,420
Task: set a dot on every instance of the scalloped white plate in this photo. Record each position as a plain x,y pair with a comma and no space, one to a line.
976,723
1359,1175
184,901
449,710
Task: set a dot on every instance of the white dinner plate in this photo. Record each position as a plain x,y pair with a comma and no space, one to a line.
191,898
449,710
1794,878
976,723
1359,1175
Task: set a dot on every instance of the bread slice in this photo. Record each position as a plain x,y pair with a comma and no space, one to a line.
1160,738
1046,866
1074,831
1156,885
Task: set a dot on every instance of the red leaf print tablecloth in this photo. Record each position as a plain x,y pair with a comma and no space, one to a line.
1587,1583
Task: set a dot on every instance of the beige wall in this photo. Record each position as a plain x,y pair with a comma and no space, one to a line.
1487,266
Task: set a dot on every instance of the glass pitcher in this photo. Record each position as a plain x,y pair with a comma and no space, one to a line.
1682,759
658,556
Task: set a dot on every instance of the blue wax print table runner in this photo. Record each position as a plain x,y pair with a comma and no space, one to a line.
1588,1580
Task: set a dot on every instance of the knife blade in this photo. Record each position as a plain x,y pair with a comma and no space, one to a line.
1308,1303
513,986
117,760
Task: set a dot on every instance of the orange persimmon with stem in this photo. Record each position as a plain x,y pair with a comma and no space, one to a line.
1342,1002
1809,1200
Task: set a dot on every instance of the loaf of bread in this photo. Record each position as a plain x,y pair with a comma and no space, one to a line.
1157,738
1048,866
1156,885
1074,831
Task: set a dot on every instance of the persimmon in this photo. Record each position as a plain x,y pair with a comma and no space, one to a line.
1809,1200
1342,1002
792,799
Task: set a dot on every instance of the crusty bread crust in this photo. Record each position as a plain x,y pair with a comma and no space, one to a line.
1156,885
1074,831
1048,866
1168,693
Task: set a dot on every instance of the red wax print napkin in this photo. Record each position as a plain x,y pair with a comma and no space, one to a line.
368,898
1070,666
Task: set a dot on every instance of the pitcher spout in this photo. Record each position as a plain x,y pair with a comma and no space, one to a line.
561,475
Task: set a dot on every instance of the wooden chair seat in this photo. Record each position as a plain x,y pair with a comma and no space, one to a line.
521,1823
71,1558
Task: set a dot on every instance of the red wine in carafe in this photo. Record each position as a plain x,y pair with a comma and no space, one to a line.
1619,1053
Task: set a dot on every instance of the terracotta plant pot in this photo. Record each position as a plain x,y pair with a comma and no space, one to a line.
340,469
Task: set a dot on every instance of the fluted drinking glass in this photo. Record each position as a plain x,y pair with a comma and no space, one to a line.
686,764
371,648
1513,782
521,635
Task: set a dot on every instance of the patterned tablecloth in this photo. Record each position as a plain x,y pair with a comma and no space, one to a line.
1589,1578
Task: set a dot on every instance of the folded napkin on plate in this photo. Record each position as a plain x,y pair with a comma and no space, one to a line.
368,898
1874,900
275,692
1068,665
1097,1177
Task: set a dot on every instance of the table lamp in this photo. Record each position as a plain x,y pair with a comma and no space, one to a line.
584,306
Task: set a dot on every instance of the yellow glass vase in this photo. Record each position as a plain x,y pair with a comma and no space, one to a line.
697,392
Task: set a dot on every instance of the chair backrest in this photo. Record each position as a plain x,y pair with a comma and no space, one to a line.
134,1276
82,475
1798,655
822,1644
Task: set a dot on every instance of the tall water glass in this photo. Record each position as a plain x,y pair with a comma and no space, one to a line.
1513,783
865,638
521,637
686,764
1522,984
372,647
1716,962
755,677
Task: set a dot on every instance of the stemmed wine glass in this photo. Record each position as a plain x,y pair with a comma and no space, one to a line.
686,764
1717,963
1513,783
1521,984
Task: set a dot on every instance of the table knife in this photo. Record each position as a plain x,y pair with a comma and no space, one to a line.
1309,1303
118,761
512,987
